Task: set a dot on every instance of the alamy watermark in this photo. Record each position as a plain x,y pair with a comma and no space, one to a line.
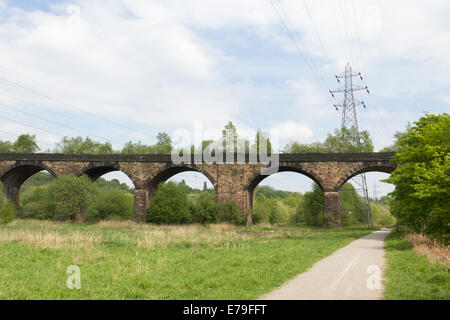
373,282
227,149
74,280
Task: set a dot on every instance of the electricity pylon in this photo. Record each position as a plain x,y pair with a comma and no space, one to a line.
350,121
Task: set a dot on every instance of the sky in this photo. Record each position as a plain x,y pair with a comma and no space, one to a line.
126,70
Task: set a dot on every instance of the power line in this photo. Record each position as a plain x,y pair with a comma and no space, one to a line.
17,135
52,112
303,51
56,123
27,125
68,105
347,32
315,30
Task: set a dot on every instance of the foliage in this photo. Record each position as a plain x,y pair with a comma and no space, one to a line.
7,212
111,205
422,181
264,209
353,209
262,140
343,140
113,184
229,211
70,196
310,211
25,143
79,145
205,208
162,146
381,215
37,180
169,205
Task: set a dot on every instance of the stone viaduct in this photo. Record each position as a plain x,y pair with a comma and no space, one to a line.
235,181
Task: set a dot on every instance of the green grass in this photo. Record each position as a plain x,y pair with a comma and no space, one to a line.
412,276
130,261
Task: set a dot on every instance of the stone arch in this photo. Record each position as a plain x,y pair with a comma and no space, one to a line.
364,168
97,169
15,175
169,170
256,178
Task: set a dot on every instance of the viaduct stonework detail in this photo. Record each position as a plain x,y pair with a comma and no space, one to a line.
235,181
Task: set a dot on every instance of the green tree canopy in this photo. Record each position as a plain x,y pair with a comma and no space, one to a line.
25,143
422,181
343,140
79,145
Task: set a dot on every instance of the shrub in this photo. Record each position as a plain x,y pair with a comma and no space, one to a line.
310,211
35,203
70,196
7,213
169,205
205,208
111,205
229,211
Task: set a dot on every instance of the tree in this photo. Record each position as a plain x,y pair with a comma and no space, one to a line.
137,148
262,139
111,204
310,211
296,147
79,145
205,208
422,180
164,143
348,140
25,143
69,197
229,211
7,212
343,140
169,205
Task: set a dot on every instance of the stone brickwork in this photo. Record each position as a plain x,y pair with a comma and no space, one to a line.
232,182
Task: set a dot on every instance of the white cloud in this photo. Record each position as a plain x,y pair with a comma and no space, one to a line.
293,131
145,63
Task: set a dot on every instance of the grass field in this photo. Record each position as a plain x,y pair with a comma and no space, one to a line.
123,260
410,275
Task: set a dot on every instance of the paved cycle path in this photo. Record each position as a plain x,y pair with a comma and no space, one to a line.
354,272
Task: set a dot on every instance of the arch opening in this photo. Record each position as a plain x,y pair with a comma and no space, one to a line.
171,173
116,193
277,198
17,179
369,206
182,195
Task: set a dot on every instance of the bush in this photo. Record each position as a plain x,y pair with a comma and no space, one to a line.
310,211
169,205
35,203
229,211
205,208
70,196
7,213
111,205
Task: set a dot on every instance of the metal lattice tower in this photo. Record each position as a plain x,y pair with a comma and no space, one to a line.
350,121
